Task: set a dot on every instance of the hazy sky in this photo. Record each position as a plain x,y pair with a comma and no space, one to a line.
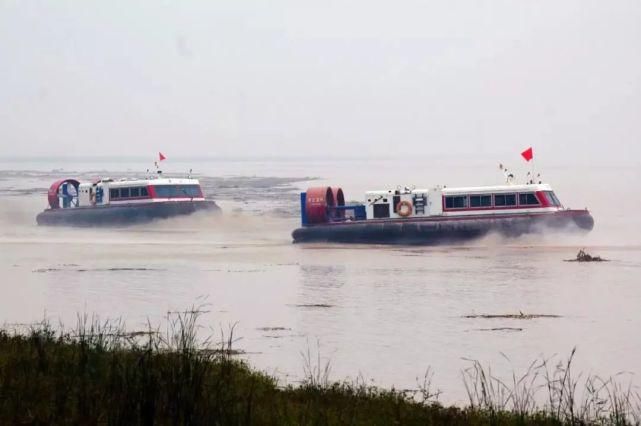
240,77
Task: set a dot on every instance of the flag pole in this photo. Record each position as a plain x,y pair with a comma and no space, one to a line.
533,168
534,171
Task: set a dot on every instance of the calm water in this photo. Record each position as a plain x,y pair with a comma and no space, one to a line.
389,312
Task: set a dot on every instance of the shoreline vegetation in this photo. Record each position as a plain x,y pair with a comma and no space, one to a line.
100,374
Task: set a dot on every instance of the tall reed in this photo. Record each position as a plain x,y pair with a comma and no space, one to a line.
98,373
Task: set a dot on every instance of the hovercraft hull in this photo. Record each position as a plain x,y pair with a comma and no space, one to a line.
118,215
443,230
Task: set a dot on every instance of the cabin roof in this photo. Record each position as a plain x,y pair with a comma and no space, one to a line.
392,192
498,188
154,182
474,189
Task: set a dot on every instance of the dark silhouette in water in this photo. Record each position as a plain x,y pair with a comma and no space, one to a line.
583,256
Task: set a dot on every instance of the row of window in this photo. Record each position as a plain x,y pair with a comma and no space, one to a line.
497,200
177,191
162,191
133,192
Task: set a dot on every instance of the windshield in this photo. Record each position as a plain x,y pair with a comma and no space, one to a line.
551,198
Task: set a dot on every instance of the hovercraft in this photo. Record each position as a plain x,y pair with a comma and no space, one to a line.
436,215
109,202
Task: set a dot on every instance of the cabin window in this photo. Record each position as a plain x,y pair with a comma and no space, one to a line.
124,192
177,191
134,192
381,210
480,201
551,198
396,201
504,200
143,192
528,199
456,202
113,193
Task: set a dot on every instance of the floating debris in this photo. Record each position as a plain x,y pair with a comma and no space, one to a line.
273,329
42,270
313,305
520,315
282,336
118,269
515,329
583,256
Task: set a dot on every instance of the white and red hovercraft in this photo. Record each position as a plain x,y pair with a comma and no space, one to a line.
436,215
121,202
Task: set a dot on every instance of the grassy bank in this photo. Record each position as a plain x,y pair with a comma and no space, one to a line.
98,374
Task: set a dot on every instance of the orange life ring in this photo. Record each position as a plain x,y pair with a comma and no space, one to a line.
404,212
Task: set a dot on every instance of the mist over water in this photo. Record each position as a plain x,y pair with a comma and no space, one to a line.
384,312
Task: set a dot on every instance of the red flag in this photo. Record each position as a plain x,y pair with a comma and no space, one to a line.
161,157
528,154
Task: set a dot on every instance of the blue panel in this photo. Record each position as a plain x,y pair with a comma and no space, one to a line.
360,213
303,208
66,198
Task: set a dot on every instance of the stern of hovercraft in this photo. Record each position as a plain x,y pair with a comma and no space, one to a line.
324,204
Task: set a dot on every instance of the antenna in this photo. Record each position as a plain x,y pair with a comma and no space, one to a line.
509,177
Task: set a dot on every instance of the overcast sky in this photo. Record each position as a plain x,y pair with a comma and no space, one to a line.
290,77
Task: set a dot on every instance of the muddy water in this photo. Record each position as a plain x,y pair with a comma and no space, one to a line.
386,313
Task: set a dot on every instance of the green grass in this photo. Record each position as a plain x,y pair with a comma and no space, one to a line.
100,375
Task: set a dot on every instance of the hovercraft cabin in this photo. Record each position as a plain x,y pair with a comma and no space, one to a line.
439,201
108,191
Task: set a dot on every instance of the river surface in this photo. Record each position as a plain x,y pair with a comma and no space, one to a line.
384,313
